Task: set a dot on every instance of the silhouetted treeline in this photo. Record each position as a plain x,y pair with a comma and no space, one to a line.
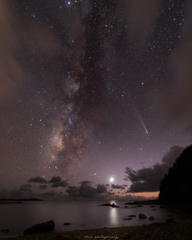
20,199
176,187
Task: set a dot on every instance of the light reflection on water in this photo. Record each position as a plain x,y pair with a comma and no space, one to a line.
81,215
113,216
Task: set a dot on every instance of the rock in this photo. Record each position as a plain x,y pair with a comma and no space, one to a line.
152,206
129,203
5,230
126,207
41,228
170,220
151,218
132,216
127,218
139,205
153,209
66,223
142,216
113,205
106,204
110,205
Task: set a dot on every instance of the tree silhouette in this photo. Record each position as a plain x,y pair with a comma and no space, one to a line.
176,187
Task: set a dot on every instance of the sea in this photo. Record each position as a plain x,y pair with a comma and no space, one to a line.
80,215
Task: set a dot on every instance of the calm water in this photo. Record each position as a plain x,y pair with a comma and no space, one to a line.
82,215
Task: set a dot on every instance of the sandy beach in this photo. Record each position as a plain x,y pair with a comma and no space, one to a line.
156,231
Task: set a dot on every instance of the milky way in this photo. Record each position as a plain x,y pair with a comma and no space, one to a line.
91,88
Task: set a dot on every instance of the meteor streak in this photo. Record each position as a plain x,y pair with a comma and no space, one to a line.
10,129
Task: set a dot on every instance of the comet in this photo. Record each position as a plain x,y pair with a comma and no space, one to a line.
141,120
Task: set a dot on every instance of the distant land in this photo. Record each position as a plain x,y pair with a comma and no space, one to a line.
20,200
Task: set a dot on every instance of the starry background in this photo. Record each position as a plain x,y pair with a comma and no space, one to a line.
90,88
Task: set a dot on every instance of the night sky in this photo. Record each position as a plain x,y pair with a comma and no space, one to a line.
90,89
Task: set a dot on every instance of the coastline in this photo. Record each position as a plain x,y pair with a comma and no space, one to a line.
158,231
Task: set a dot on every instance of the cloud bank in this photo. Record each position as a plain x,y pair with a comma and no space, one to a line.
148,179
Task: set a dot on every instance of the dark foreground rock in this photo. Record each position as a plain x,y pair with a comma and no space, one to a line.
41,228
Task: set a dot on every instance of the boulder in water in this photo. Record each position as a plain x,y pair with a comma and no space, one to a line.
41,228
142,216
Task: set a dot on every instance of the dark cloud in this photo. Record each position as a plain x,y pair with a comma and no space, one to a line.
55,180
101,188
122,187
73,191
42,186
50,194
60,184
25,188
141,18
148,179
11,73
37,180
13,194
4,193
176,102
110,194
86,190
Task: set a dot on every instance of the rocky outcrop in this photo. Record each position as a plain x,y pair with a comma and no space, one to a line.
106,204
132,216
151,218
110,205
66,224
114,206
142,216
41,228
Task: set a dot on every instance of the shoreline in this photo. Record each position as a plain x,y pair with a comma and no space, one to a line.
155,231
